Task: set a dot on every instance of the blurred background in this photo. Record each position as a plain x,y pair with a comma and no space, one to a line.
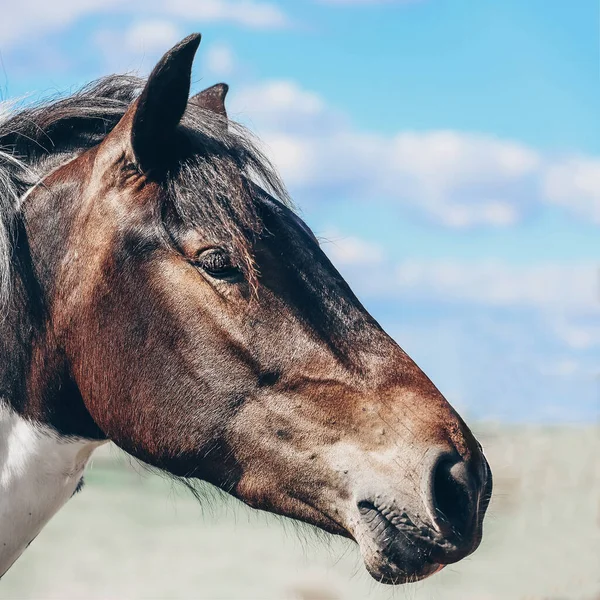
447,152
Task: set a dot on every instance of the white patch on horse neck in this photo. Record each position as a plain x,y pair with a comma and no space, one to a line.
39,472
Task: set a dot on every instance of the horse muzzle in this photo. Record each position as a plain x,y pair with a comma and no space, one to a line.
408,537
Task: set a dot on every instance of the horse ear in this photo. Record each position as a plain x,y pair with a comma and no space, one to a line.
161,105
212,99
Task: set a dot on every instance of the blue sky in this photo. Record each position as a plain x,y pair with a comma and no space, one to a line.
447,151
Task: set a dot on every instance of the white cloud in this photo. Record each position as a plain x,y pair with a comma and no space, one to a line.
219,60
552,287
458,179
568,368
462,179
138,47
270,100
24,20
248,13
351,250
282,107
578,335
368,2
575,185
152,36
492,283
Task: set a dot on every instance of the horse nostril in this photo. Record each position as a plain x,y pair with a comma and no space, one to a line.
452,497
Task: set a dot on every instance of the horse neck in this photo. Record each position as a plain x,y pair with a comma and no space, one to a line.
41,458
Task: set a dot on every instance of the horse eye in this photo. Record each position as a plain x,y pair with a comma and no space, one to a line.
217,263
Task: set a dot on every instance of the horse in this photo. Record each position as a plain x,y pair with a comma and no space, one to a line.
159,291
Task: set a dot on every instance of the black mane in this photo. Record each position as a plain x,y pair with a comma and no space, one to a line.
208,187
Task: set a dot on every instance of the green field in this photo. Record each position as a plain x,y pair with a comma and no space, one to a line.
131,534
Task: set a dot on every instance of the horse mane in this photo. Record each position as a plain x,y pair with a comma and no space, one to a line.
206,188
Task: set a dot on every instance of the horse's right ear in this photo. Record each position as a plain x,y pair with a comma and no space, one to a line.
160,107
212,99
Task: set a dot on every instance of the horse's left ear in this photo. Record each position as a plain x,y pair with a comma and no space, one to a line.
161,106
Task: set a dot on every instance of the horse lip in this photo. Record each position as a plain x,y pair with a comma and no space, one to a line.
405,551
402,522
410,543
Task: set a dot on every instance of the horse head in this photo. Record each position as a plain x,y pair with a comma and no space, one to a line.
191,317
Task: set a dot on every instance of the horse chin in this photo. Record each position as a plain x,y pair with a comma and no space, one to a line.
390,571
393,556
397,564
